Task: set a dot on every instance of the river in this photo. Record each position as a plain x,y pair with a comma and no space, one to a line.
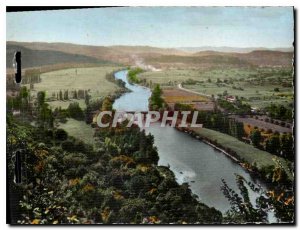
191,160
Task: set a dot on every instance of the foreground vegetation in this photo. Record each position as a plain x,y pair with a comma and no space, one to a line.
119,182
116,180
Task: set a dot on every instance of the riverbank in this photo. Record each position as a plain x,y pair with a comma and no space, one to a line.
252,159
195,164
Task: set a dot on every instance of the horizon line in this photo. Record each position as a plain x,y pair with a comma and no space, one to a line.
163,47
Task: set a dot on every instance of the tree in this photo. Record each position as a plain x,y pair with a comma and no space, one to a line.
273,144
75,111
244,211
156,100
24,98
44,113
45,116
41,98
75,94
60,95
61,135
87,98
66,95
287,146
107,104
88,115
282,111
240,132
255,137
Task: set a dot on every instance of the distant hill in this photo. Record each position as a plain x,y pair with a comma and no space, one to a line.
34,58
147,49
217,59
205,60
257,57
42,53
268,58
227,49
121,54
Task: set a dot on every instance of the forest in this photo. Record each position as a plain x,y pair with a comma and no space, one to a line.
69,181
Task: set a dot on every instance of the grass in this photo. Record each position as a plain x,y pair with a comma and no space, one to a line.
258,84
92,79
245,151
65,104
169,77
79,130
180,75
256,96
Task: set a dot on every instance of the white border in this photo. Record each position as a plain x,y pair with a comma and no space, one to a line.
107,3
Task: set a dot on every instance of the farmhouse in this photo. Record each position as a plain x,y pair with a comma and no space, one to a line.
231,99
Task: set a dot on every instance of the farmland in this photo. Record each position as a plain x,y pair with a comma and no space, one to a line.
172,96
257,86
93,80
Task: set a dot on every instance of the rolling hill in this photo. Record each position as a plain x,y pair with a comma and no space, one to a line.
34,58
120,54
42,53
227,49
214,58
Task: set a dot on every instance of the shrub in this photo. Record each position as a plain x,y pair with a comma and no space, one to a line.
282,123
75,111
60,135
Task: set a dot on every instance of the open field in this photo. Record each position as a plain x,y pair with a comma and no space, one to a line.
91,79
172,96
206,59
79,130
64,104
256,96
170,77
245,151
181,96
256,86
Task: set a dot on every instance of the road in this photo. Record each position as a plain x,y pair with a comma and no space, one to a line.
191,91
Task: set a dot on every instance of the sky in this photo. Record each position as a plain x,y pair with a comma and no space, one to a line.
268,27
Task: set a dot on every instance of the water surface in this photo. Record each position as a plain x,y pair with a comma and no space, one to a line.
136,100
191,160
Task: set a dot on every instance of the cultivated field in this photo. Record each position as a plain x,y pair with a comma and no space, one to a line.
180,96
256,86
172,96
91,79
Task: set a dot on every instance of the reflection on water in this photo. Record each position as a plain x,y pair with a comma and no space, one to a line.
136,100
197,163
191,160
